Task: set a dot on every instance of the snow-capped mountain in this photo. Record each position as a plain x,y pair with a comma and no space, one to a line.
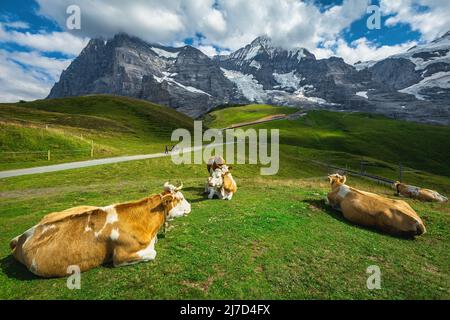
413,85
183,78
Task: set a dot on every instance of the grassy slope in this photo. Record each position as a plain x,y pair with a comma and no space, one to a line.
117,125
292,246
344,139
232,115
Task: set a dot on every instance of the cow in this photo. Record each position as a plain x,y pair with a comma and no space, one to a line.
89,236
229,184
221,184
418,193
371,210
214,163
214,184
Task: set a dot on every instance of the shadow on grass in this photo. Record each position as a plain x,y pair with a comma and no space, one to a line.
199,191
14,269
321,205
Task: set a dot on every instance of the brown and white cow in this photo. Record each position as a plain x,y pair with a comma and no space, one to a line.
229,184
87,236
221,184
418,193
371,210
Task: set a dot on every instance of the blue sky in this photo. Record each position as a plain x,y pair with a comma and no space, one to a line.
35,45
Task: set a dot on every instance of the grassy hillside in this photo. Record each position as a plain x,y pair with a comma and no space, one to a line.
344,139
277,239
116,125
225,117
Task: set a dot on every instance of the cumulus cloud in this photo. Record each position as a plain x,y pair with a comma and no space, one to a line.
28,75
364,50
429,17
225,23
63,42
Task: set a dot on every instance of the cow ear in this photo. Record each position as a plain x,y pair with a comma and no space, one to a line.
167,199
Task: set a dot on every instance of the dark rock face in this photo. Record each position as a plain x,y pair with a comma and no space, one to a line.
413,86
183,78
396,73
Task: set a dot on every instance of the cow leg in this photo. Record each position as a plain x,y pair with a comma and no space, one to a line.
211,193
128,255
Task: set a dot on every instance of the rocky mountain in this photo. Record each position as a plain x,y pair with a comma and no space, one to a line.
413,86
183,78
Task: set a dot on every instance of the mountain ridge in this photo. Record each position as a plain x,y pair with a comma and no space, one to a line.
413,85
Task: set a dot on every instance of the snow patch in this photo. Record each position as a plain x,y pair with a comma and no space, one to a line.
255,64
362,94
439,80
287,80
300,95
364,65
165,54
169,78
248,85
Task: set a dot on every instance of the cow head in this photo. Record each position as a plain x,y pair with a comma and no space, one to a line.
396,186
174,201
216,179
336,179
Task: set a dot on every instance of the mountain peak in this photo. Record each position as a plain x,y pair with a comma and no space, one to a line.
444,37
271,48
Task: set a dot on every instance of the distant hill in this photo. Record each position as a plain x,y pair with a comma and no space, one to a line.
347,138
117,125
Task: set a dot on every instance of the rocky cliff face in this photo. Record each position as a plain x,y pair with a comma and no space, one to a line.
414,85
183,78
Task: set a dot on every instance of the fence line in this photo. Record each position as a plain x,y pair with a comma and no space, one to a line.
362,173
50,152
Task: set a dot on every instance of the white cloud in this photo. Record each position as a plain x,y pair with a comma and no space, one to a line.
63,42
429,17
17,25
364,50
226,23
27,76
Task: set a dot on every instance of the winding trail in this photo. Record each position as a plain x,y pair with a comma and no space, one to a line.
271,118
97,162
92,163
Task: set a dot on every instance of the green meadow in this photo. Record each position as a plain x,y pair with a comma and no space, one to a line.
277,239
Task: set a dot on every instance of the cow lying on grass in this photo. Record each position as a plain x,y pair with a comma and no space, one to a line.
371,210
87,237
418,193
221,184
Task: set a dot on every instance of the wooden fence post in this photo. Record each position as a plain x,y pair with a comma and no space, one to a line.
49,155
92,148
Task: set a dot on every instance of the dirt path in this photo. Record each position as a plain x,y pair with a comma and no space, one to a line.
91,163
274,117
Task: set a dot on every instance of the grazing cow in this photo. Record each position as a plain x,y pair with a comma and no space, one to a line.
418,193
87,237
372,210
214,163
